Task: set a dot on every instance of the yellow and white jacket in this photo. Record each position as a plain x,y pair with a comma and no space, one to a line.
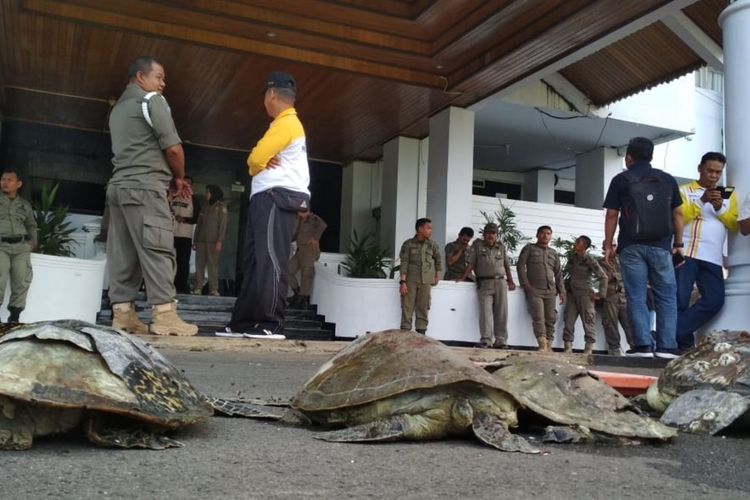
285,138
706,229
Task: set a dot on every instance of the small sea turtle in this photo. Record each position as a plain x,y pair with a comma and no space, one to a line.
60,375
708,388
400,385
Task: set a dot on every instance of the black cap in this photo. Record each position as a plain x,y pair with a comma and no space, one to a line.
280,80
490,227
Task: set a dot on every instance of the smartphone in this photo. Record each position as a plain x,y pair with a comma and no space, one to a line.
677,259
726,191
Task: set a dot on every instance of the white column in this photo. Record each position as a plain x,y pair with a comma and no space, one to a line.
449,175
539,186
399,195
594,171
357,201
735,23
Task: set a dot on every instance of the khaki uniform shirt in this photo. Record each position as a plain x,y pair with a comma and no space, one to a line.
580,270
138,147
17,219
540,267
488,261
614,278
212,223
311,227
420,261
185,208
455,270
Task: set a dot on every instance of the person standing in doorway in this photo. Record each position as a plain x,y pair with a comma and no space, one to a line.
420,271
209,239
148,162
310,228
18,237
185,212
281,176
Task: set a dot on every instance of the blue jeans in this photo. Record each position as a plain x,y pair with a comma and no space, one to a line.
710,280
640,265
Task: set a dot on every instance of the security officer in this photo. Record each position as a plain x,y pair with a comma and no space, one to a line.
489,261
614,307
580,270
456,254
148,160
18,234
420,270
540,276
307,234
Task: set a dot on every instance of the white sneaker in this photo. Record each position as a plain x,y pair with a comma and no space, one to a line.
258,332
227,332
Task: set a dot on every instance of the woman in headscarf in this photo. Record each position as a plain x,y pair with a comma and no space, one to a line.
208,240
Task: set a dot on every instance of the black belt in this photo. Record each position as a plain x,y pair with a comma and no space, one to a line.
12,239
482,278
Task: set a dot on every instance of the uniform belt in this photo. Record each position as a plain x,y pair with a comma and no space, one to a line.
482,278
11,239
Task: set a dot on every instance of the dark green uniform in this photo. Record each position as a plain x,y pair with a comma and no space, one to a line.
18,233
420,262
581,270
303,260
140,242
540,267
614,306
210,229
489,264
455,270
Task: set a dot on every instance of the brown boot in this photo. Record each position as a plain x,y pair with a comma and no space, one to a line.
568,347
125,318
165,321
543,344
589,349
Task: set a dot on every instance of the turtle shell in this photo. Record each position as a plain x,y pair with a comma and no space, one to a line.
380,365
73,364
720,363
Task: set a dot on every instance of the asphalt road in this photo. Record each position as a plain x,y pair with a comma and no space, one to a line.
238,458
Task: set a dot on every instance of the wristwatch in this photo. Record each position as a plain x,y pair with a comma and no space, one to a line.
678,245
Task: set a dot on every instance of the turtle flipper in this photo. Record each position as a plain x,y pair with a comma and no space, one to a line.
494,432
567,434
389,429
705,411
106,432
242,408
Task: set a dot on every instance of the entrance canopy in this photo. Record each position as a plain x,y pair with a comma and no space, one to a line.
367,71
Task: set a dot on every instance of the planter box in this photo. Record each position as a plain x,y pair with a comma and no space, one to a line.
62,288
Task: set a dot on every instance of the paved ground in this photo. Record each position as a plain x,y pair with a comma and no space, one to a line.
238,458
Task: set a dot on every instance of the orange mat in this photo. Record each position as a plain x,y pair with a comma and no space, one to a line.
626,384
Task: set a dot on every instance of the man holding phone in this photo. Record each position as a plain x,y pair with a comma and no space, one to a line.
709,211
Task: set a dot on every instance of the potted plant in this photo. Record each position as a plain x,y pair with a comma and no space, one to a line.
365,259
53,232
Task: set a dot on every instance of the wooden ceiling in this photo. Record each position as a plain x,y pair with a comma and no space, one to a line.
367,71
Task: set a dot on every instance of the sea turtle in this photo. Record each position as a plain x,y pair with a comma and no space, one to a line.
58,375
568,394
707,388
402,385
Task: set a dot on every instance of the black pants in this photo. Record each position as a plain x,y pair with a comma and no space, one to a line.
182,247
262,295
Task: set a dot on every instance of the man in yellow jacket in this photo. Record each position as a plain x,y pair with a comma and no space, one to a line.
281,176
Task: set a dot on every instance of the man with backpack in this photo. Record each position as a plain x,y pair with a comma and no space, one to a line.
648,203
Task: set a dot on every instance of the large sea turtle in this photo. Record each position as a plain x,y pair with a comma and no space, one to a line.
396,385
61,375
708,388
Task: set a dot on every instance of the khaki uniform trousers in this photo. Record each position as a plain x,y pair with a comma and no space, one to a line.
614,311
140,245
493,311
543,311
579,303
206,259
15,262
303,262
415,303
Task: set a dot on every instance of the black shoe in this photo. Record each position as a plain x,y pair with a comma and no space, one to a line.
483,345
423,331
666,353
500,345
640,352
303,302
15,314
291,301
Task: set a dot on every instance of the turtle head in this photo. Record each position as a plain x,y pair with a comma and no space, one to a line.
462,413
656,399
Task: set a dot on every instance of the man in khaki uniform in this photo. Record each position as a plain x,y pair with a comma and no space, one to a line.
580,270
307,234
540,276
489,261
209,239
614,307
148,161
456,255
420,270
18,234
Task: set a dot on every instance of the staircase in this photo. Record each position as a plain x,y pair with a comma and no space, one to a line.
212,313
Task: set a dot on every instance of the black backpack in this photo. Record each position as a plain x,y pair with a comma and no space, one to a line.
647,208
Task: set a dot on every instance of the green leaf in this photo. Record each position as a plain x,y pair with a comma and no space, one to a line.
53,233
365,259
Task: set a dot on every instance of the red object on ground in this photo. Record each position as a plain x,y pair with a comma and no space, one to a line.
626,384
